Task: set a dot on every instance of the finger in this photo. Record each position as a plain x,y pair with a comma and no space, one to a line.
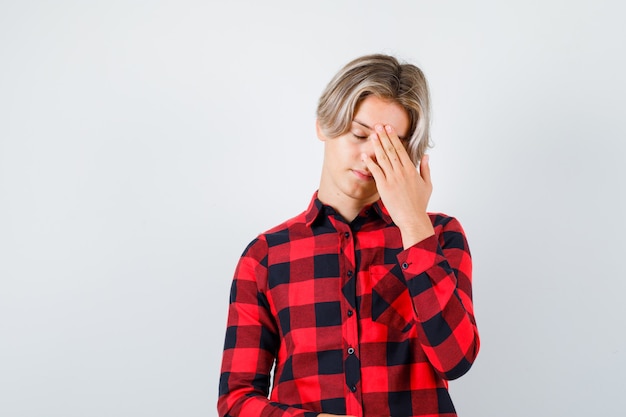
373,167
382,159
401,151
388,146
425,169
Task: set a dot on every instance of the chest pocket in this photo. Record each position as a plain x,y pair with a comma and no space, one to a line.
391,301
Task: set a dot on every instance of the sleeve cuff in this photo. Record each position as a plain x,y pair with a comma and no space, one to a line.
420,257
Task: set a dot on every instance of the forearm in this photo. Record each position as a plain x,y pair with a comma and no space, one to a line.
451,337
249,353
437,272
416,231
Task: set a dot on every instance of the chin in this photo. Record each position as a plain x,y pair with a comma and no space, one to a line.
361,193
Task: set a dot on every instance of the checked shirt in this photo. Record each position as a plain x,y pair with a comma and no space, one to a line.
353,323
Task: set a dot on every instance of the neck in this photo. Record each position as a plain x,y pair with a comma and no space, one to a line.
347,206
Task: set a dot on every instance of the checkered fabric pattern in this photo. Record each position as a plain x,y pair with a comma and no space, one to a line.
353,323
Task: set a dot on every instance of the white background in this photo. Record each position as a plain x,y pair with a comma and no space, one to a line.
144,144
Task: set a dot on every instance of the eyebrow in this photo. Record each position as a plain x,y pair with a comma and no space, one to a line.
368,127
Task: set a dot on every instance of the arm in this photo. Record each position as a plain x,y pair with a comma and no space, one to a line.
438,274
252,341
436,263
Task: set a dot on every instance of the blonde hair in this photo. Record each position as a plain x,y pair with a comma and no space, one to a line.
385,77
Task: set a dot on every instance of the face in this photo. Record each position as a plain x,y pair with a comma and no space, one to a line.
345,178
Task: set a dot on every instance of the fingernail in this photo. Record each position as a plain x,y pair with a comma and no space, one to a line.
389,128
379,128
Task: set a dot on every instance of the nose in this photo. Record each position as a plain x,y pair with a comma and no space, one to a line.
367,147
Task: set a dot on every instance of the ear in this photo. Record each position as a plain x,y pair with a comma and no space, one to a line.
320,135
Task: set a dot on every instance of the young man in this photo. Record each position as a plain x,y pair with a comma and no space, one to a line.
363,302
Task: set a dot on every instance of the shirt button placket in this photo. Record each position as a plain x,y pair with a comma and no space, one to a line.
351,364
349,274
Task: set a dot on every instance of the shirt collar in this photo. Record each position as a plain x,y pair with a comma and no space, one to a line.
316,209
380,208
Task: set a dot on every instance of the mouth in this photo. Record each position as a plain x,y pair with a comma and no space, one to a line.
362,175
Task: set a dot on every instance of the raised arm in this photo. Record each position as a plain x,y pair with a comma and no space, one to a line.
436,263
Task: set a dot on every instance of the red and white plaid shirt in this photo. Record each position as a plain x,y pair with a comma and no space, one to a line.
354,323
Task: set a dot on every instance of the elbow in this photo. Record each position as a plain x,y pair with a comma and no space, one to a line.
462,366
458,371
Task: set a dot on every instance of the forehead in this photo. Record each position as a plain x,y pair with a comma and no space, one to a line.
374,110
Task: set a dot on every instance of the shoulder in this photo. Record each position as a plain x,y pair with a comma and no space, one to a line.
283,230
277,235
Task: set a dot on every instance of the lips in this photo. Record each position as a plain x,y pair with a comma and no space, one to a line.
363,175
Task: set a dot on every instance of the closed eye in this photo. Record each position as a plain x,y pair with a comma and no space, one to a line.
359,137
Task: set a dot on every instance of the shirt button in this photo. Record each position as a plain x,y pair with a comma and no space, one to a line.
353,388
350,273
405,265
350,351
350,313
347,234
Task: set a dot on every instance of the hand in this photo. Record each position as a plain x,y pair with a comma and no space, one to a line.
333,415
404,190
